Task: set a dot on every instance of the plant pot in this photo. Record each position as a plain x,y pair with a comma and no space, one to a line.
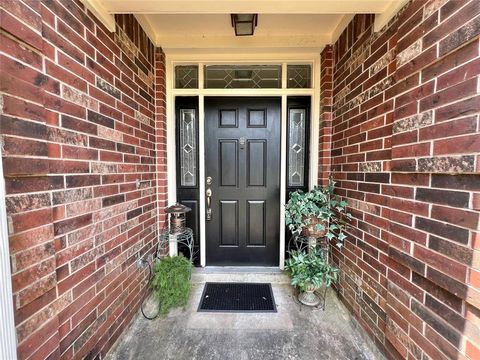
308,297
312,231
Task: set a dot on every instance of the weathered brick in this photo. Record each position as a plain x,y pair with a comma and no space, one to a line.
448,248
113,200
457,38
460,56
20,203
438,292
452,198
459,182
461,108
455,270
69,225
438,324
407,260
457,21
455,287
441,229
469,144
413,122
450,164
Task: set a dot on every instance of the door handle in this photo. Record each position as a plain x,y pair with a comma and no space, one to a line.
209,204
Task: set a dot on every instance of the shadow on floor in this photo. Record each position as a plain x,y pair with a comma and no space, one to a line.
294,332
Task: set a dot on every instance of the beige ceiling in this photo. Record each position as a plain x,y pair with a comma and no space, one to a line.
293,25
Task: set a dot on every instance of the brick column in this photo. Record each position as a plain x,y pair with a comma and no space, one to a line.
161,135
326,101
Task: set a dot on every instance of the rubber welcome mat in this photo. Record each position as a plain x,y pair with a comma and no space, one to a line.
237,297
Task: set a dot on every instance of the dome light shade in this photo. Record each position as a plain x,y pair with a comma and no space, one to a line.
244,24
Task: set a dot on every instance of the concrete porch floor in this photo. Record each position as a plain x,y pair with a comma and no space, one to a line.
294,332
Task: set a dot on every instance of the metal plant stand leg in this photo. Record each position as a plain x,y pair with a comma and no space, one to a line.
184,238
303,243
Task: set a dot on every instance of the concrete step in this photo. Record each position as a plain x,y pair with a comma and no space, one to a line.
239,274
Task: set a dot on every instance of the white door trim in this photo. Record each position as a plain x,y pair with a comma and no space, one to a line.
283,93
8,340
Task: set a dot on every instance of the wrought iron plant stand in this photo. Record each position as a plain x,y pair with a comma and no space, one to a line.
317,297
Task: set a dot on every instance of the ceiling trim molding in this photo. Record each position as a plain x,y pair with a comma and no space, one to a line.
383,18
96,7
244,43
342,25
247,6
148,28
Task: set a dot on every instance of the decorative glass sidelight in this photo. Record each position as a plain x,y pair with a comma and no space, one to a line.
243,76
188,148
299,76
186,77
296,150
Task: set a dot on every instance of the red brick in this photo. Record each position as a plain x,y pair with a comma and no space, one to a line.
20,30
30,345
453,60
454,22
421,61
462,218
23,279
451,94
440,262
463,144
447,129
462,108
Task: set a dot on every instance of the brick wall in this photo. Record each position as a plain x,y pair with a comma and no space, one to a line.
81,123
406,154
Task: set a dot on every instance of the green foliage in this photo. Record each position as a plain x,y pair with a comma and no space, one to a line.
322,203
310,268
171,282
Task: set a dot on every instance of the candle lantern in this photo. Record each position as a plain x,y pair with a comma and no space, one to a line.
177,217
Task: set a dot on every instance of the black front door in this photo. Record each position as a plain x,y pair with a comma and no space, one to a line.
242,158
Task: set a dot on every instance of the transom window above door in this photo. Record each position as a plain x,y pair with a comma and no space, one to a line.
244,76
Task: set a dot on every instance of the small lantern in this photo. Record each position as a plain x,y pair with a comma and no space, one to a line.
244,24
177,217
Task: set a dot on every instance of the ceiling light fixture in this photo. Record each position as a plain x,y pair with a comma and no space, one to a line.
244,24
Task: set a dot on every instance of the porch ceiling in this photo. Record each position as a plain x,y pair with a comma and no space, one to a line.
284,25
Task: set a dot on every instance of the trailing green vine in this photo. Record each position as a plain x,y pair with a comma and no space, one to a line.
171,282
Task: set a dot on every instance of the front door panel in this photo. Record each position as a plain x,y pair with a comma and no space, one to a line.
242,156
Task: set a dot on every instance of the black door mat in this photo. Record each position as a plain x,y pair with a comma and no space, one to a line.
237,297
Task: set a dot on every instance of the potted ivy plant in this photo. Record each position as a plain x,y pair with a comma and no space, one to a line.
317,213
309,271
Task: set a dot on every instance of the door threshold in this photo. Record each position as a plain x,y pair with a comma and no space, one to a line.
237,269
252,274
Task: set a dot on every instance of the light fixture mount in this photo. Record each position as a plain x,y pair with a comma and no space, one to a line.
244,24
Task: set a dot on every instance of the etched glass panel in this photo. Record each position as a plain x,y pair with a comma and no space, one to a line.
243,76
186,76
188,148
296,150
299,76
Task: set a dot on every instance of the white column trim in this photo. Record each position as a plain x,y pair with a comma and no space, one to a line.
97,8
384,17
283,176
8,340
201,174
